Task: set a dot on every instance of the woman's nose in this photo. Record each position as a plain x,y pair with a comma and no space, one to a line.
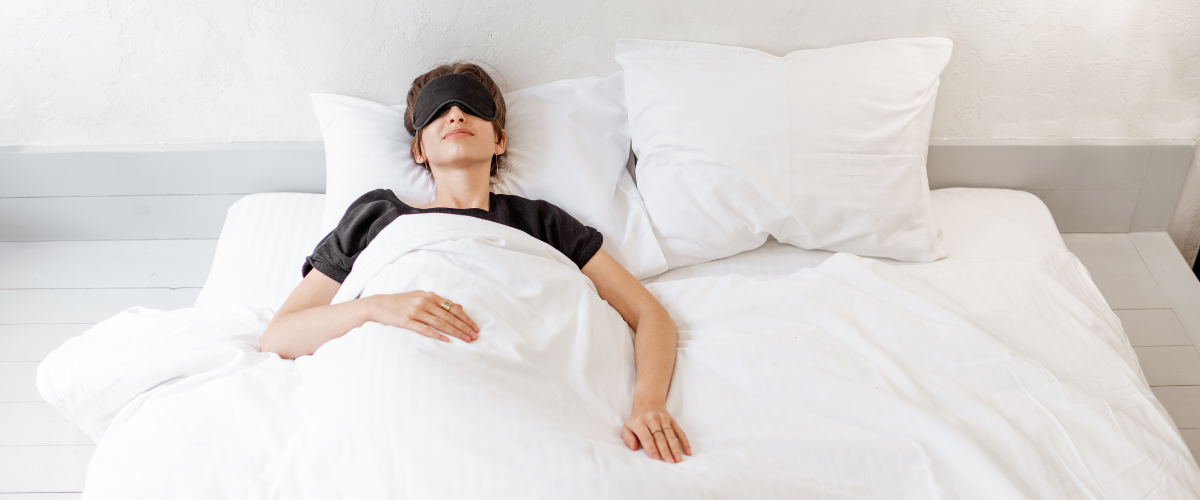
455,114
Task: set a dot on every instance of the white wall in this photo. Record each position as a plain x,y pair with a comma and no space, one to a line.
136,71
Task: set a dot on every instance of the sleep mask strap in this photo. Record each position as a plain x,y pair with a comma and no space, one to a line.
454,89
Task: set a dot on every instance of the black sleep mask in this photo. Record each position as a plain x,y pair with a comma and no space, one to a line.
454,89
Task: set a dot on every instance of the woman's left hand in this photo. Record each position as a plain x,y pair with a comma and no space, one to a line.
651,427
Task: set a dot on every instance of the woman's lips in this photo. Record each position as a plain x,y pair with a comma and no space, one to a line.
456,133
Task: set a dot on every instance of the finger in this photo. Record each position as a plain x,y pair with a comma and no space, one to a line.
438,300
663,439
629,438
458,311
687,446
664,450
673,442
449,317
432,320
434,306
647,439
425,330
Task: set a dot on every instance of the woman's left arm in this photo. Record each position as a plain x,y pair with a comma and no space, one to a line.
654,353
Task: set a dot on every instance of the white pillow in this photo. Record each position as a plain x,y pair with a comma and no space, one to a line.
568,143
822,149
366,148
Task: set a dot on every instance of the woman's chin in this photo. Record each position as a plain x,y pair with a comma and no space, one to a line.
463,162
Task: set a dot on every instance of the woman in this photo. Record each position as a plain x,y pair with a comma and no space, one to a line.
456,114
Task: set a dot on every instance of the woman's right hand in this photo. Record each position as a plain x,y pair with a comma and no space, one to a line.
422,312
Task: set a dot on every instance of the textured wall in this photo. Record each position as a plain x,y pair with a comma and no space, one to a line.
136,71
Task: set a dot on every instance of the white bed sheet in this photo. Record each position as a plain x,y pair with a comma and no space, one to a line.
267,236
999,372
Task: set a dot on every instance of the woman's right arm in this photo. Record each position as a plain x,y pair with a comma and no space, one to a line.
306,320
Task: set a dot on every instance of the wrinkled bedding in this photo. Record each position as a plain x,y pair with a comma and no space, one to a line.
994,378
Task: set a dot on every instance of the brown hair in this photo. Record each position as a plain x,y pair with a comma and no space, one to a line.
476,72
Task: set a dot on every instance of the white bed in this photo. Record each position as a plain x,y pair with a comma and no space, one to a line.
998,372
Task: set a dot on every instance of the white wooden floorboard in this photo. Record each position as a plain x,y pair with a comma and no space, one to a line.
1192,438
1149,327
49,292
1130,291
18,382
1174,277
38,424
1105,254
89,305
1170,365
33,342
105,264
30,469
1182,402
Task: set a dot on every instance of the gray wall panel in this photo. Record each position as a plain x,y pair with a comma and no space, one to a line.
114,217
1090,210
1160,190
182,191
1090,185
1038,167
242,168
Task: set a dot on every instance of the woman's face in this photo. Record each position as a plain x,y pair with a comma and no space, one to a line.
456,139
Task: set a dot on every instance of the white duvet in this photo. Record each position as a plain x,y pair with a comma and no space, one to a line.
1002,378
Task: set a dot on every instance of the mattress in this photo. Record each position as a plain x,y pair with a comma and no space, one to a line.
267,236
977,224
262,247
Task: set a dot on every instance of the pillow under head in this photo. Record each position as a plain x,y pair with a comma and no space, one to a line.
568,144
822,149
366,148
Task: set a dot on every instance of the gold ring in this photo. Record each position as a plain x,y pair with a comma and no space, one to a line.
660,430
446,305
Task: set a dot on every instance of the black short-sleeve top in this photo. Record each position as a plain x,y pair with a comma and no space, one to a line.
334,256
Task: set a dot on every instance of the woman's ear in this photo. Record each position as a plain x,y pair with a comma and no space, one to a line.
502,143
417,152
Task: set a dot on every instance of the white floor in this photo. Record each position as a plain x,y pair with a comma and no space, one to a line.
1154,292
50,291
